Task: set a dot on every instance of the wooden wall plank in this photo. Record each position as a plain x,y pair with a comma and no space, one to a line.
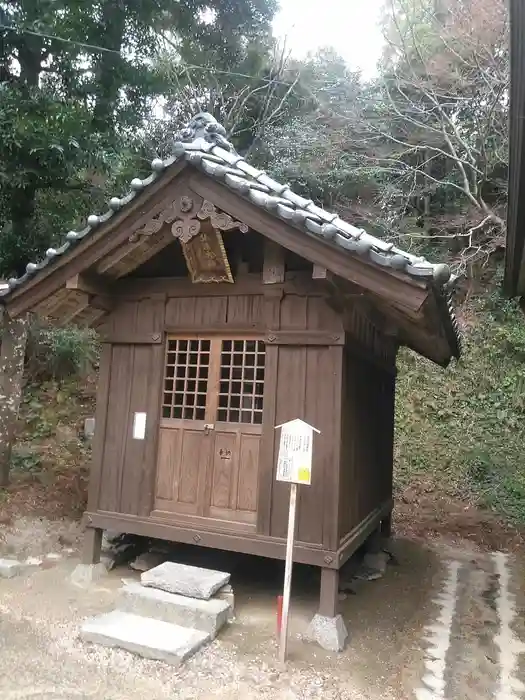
247,479
308,379
367,447
321,316
290,389
322,410
330,416
189,475
101,415
294,312
117,427
210,311
247,311
272,319
180,312
204,312
167,465
134,452
157,310
129,465
224,469
291,380
316,401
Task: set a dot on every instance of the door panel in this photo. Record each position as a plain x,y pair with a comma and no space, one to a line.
168,464
235,464
210,432
183,440
249,475
190,461
225,467
182,448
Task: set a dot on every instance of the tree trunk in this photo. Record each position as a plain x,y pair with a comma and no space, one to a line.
22,209
109,65
12,355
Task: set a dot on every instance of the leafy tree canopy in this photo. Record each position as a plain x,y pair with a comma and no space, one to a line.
79,83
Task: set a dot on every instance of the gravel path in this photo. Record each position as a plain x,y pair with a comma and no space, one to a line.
453,594
42,657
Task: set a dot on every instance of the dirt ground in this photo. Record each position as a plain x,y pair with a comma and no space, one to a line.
447,583
391,622
425,514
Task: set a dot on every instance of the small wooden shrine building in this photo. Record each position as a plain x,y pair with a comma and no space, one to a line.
228,304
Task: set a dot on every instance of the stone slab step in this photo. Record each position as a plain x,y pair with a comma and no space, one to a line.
205,615
190,581
152,639
10,568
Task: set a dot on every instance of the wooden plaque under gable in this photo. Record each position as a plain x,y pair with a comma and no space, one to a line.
201,240
206,257
197,225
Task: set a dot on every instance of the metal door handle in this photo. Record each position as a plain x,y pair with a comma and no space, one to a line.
208,427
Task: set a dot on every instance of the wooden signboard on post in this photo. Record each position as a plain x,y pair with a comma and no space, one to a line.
294,465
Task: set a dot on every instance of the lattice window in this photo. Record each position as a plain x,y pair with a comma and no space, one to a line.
186,379
242,381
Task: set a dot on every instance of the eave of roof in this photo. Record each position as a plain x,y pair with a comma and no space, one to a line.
203,144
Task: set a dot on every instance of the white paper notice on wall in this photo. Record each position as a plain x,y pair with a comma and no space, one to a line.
139,426
294,463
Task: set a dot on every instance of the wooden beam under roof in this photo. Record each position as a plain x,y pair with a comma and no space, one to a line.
93,285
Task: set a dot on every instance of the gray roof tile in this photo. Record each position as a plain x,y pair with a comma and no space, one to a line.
203,143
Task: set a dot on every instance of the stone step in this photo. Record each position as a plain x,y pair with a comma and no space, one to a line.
190,581
152,639
10,568
205,615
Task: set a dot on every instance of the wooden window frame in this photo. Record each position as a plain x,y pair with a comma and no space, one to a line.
213,393
193,400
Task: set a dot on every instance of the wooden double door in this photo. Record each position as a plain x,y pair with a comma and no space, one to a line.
210,429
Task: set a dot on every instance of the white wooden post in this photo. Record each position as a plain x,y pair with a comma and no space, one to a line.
294,465
288,572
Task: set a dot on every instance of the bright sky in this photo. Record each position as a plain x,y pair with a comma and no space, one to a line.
349,26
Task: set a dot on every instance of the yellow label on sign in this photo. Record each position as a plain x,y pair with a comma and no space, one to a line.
303,474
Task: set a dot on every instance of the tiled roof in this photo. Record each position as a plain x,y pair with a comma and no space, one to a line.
203,143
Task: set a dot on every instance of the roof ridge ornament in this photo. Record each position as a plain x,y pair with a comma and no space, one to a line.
204,126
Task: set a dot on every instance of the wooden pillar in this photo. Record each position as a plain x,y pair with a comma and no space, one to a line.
13,340
386,526
329,597
375,540
92,547
273,276
273,266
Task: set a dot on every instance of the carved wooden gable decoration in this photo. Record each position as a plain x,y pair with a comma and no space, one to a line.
198,229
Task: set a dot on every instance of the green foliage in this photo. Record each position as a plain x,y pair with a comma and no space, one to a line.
465,427
28,462
34,415
58,353
79,84
310,149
